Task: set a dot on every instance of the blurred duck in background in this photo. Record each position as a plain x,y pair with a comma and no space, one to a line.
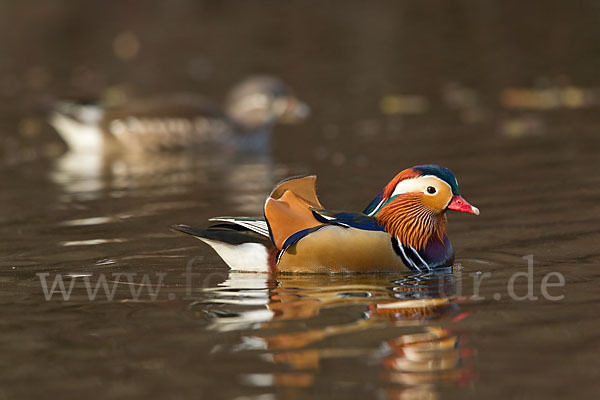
180,122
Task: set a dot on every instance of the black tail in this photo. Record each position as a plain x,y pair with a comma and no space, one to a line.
226,233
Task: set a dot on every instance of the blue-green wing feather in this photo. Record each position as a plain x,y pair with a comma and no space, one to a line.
348,219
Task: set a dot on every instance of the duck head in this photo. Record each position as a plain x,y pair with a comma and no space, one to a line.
260,101
412,206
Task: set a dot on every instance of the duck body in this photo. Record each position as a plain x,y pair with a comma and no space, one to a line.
181,121
403,228
362,251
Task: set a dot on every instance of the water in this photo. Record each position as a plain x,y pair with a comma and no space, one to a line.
390,87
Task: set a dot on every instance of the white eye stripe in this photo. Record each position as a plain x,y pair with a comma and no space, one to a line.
419,184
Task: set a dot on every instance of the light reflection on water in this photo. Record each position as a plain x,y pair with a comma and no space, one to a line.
94,176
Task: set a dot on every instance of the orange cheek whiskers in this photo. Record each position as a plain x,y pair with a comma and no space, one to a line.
412,222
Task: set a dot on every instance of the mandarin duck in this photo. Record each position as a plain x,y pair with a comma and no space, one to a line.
403,228
178,122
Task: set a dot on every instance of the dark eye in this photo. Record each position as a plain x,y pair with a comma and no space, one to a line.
431,190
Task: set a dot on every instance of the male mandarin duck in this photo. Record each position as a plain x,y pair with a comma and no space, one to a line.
177,122
403,228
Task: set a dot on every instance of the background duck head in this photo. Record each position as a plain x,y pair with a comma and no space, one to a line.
261,101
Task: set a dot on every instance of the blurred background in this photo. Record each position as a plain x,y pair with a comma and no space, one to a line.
505,93
496,69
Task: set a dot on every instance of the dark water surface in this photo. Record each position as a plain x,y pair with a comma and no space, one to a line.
503,93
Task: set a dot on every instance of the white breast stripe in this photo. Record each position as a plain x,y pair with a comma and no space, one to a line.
420,258
411,262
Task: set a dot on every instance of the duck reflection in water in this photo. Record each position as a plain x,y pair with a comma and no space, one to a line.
398,326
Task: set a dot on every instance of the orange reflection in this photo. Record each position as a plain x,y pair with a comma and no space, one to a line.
400,326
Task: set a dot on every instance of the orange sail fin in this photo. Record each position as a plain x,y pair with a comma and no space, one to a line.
288,208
